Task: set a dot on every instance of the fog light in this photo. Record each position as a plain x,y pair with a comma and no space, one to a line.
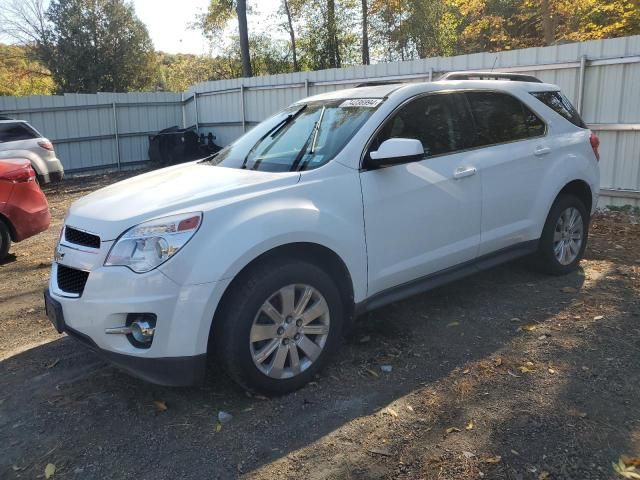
142,331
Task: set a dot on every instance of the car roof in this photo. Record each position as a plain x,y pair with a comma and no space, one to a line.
386,90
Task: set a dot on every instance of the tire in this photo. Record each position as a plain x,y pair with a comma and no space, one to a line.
547,258
243,321
5,240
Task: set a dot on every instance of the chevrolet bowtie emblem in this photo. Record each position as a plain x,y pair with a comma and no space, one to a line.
58,255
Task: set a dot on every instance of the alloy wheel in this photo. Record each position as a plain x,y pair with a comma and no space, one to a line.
289,331
568,236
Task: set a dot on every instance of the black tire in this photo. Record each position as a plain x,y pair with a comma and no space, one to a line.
544,259
233,322
5,240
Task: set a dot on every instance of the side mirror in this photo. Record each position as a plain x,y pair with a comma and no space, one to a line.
396,151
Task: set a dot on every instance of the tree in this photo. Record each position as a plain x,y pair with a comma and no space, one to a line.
215,20
20,75
365,34
87,45
292,33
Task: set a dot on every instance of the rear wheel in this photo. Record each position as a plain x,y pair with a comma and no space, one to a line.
5,240
279,326
564,237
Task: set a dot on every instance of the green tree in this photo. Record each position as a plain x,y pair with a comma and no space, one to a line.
97,46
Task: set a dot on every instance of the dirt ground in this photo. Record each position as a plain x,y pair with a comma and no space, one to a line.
508,374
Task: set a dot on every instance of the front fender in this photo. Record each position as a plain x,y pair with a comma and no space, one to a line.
326,212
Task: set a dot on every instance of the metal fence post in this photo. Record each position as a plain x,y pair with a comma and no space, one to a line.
195,106
431,74
244,119
184,119
115,133
306,87
581,75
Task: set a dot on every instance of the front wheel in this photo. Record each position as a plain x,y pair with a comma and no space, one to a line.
278,327
564,237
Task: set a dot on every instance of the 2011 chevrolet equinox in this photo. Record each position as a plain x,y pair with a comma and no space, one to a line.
262,255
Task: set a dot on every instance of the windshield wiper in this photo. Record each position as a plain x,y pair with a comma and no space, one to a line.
311,139
273,132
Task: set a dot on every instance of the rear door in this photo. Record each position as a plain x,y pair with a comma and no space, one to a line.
423,217
511,155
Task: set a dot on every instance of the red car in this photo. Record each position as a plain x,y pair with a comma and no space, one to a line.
24,211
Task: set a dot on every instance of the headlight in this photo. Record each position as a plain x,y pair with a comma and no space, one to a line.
150,244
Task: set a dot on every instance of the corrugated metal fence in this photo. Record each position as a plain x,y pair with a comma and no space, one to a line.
601,77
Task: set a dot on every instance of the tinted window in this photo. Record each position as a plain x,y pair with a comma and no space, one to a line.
502,118
440,121
561,104
11,132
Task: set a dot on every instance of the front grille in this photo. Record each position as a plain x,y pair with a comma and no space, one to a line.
71,280
79,237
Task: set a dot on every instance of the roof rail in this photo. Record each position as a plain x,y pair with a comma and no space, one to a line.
381,82
515,77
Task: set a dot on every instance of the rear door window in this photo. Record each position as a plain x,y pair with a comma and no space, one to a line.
440,121
501,118
560,104
12,132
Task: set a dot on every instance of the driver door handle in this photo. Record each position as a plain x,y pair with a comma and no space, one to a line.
464,172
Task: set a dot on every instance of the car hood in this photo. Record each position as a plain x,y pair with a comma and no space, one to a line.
184,188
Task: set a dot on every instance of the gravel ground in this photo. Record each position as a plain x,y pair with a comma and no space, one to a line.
508,374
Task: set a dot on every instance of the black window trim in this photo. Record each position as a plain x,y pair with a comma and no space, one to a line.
583,126
363,156
26,126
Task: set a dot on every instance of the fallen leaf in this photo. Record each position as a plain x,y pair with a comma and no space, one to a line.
524,369
218,427
498,361
551,371
380,451
465,371
452,429
391,412
496,459
569,290
161,405
410,408
49,470
635,461
453,324
515,452
626,471
365,339
513,374
544,475
469,425
529,327
248,409
598,317
53,364
372,372
468,454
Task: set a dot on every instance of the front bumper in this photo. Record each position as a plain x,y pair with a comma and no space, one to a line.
184,313
170,371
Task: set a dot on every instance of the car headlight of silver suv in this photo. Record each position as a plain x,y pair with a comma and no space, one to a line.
148,245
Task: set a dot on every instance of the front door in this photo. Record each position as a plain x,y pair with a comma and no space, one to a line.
423,217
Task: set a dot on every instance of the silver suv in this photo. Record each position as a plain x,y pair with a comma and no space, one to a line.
18,139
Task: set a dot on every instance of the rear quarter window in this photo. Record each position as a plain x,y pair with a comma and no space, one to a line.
560,104
12,132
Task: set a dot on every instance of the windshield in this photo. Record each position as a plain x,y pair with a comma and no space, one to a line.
301,137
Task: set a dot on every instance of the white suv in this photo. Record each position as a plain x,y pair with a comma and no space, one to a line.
18,139
263,254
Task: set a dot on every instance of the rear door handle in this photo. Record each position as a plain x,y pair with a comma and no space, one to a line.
540,151
464,172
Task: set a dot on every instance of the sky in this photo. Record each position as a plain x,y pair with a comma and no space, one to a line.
167,22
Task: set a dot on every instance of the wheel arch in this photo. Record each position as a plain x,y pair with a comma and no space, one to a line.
580,189
10,227
315,253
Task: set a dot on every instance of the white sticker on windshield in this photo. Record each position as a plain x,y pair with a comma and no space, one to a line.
361,102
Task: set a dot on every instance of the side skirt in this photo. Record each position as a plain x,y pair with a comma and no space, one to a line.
445,276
